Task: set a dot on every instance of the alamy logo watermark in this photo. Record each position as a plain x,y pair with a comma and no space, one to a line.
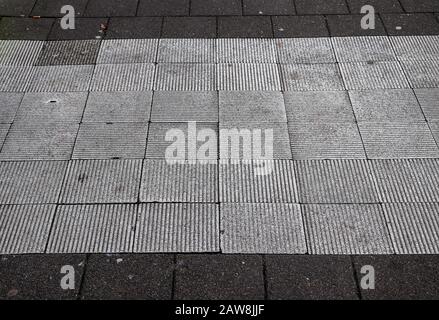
368,21
368,280
68,20
68,280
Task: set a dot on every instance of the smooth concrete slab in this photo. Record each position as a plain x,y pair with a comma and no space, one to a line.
429,101
101,181
248,76
93,229
242,50
128,51
177,227
19,52
422,74
346,229
187,51
305,50
76,52
262,228
185,77
15,78
9,103
416,47
61,78
356,49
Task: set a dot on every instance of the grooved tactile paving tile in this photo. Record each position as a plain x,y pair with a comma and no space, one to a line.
179,227
320,140
128,51
248,76
335,181
373,75
304,50
434,127
179,181
258,181
416,47
422,74
123,77
187,51
31,181
25,228
19,52
69,52
41,141
110,140
414,227
101,181
346,229
93,228
61,78
15,78
185,77
429,101
246,51
9,103
355,49
311,77
407,180
262,228
4,128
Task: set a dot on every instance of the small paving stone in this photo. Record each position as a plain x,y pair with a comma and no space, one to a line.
187,50
305,50
219,277
380,6
307,7
311,77
134,27
9,103
262,228
246,51
352,49
346,229
429,100
244,27
163,8
128,51
186,77
118,107
85,29
416,47
189,27
410,24
268,7
128,276
19,52
110,8
69,52
177,228
247,77
422,74
93,228
12,8
216,7
350,26
15,78
52,8
420,5
25,28
299,26
101,181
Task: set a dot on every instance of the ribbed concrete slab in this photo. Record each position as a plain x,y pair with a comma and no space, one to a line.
398,140
42,141
36,182
258,181
181,106
323,140
335,181
123,77
110,141
422,74
416,47
51,107
324,106
386,105
373,75
9,103
179,182
4,128
61,78
172,140
179,227
259,141
187,51
25,228
407,180
311,77
93,228
118,107
262,228
185,77
128,51
249,106
248,76
434,127
19,52
102,181
355,49
69,52
346,229
246,51
304,50
429,101
15,78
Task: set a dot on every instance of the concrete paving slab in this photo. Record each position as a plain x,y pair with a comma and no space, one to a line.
189,27
187,51
335,181
386,105
101,181
299,26
413,227
346,229
186,77
25,228
381,6
420,6
248,76
22,28
179,227
111,141
11,8
434,127
179,182
93,229
262,228
28,182
40,141
216,7
74,52
246,51
373,75
308,7
258,181
344,25
9,103
398,140
85,29
407,180
109,8
320,140
269,8
356,49
182,106
244,27
4,128
163,8
52,8
128,51
410,24
19,52
429,101
15,78
416,47
422,74
305,50
311,77
134,27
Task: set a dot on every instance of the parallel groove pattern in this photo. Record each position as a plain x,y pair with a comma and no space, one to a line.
15,78
79,52
128,51
248,76
185,77
422,74
305,50
4,128
187,51
355,49
416,47
19,52
429,101
246,51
